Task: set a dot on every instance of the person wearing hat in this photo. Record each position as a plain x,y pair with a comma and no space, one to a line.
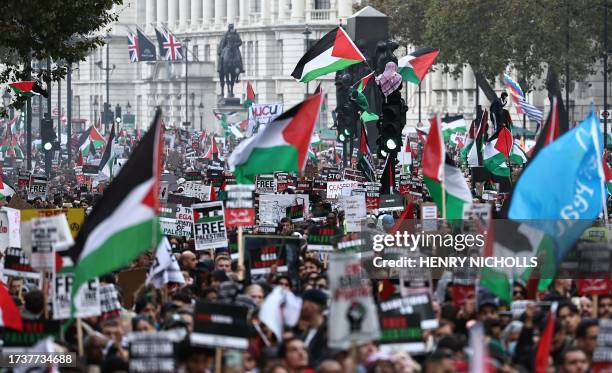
312,325
387,223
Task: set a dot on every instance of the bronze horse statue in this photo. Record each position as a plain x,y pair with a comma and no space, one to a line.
229,60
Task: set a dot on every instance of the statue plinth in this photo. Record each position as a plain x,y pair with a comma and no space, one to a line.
229,101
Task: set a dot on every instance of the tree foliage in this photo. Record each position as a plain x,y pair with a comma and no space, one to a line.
491,35
56,29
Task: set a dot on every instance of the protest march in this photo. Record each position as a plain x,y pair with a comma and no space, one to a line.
458,245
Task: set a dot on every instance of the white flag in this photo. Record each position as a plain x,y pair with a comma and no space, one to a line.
166,268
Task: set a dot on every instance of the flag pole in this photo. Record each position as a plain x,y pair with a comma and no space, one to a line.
80,336
218,359
240,254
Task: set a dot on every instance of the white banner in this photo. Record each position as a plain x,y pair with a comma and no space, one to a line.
340,188
265,113
87,299
273,207
209,225
197,189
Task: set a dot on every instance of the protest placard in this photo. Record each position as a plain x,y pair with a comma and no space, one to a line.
33,331
353,316
10,228
602,356
239,209
296,212
273,207
220,325
339,188
372,195
322,238
283,181
400,326
265,184
429,217
90,169
209,225
197,190
265,113
38,186
154,352
17,264
87,301
391,202
263,252
75,216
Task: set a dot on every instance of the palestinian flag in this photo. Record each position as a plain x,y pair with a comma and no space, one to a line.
250,96
414,66
453,125
281,146
473,142
10,316
124,223
443,178
517,155
608,175
108,158
90,139
387,179
28,88
497,151
334,51
213,151
509,238
362,101
5,189
364,162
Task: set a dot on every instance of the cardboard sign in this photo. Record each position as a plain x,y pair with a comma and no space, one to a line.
17,264
220,325
336,189
130,282
303,185
477,211
265,184
594,286
391,202
38,187
263,252
355,175
109,298
429,215
75,216
175,227
154,352
404,184
273,207
372,195
331,174
194,176
322,238
23,180
400,326
209,225
10,228
239,209
353,315
283,181
197,190
33,331
87,300
602,356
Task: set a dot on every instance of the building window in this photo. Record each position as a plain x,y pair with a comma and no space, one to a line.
454,98
322,4
207,52
279,51
440,98
194,53
76,107
256,58
470,99
256,6
138,110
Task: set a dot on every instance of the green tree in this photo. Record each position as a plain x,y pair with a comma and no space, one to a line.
57,29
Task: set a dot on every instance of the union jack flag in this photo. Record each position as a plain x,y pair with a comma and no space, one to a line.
170,47
133,48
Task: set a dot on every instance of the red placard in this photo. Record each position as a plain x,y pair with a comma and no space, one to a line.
594,286
462,293
242,217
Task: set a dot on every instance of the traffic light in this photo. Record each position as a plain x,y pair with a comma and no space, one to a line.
347,122
390,126
47,134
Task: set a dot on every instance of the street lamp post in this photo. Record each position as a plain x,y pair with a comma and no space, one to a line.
201,109
107,69
186,41
96,106
306,34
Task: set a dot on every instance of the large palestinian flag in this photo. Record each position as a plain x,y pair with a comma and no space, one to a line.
281,146
334,51
124,222
90,138
362,101
414,66
108,158
250,96
443,178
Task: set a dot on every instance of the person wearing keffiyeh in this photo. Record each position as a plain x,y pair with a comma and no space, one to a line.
389,80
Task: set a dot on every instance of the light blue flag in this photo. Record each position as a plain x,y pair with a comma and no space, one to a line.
562,190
